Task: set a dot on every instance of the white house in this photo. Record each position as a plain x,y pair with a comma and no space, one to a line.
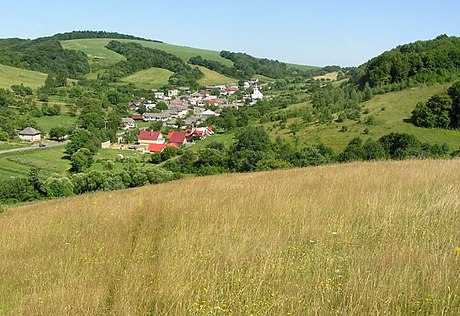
163,116
173,93
208,113
128,123
159,95
30,134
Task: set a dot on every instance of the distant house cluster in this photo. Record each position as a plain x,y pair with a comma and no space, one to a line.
191,108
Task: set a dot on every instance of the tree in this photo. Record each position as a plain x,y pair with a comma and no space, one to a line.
58,187
168,152
440,105
57,133
254,139
435,113
81,160
155,126
81,138
353,152
373,150
4,136
422,116
161,106
401,145
454,93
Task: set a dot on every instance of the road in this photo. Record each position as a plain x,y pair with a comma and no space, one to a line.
33,147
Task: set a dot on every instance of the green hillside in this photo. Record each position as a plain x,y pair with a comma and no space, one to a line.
15,76
214,78
96,47
386,113
99,56
387,245
152,78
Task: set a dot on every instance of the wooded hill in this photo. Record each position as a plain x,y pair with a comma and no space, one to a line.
419,62
47,55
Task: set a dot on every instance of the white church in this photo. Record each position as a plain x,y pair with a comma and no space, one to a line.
257,95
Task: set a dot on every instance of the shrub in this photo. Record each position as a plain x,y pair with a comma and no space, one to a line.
58,187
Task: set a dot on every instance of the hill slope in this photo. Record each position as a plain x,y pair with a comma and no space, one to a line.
300,241
97,45
15,76
382,115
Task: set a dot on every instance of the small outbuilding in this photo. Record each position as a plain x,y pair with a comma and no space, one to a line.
30,134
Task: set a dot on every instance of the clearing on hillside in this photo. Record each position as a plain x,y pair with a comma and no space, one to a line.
332,76
15,76
214,78
152,78
353,239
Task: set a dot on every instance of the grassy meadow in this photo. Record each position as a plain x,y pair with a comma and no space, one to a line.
51,160
390,113
46,123
96,51
214,78
152,78
376,238
99,56
15,76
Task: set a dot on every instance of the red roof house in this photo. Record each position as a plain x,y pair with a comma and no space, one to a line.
177,137
158,148
150,137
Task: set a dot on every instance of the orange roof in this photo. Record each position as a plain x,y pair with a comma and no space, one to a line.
158,148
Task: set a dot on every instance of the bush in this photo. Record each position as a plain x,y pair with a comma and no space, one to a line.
58,187
160,175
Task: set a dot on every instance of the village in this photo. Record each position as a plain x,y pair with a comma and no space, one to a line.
183,113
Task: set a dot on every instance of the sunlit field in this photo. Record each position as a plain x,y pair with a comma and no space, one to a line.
377,238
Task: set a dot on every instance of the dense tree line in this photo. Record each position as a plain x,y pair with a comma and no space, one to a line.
254,151
430,61
441,111
36,187
139,57
396,146
44,55
96,34
246,66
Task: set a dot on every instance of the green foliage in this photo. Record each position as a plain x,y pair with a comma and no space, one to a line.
252,139
56,187
423,61
81,138
139,57
21,90
353,152
161,106
3,136
435,113
96,34
44,55
401,146
454,93
17,190
57,133
81,160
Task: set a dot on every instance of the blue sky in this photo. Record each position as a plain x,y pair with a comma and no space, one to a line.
314,32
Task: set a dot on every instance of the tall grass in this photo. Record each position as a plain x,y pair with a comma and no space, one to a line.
356,239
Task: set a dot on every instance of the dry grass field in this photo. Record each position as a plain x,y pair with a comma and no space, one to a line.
356,239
